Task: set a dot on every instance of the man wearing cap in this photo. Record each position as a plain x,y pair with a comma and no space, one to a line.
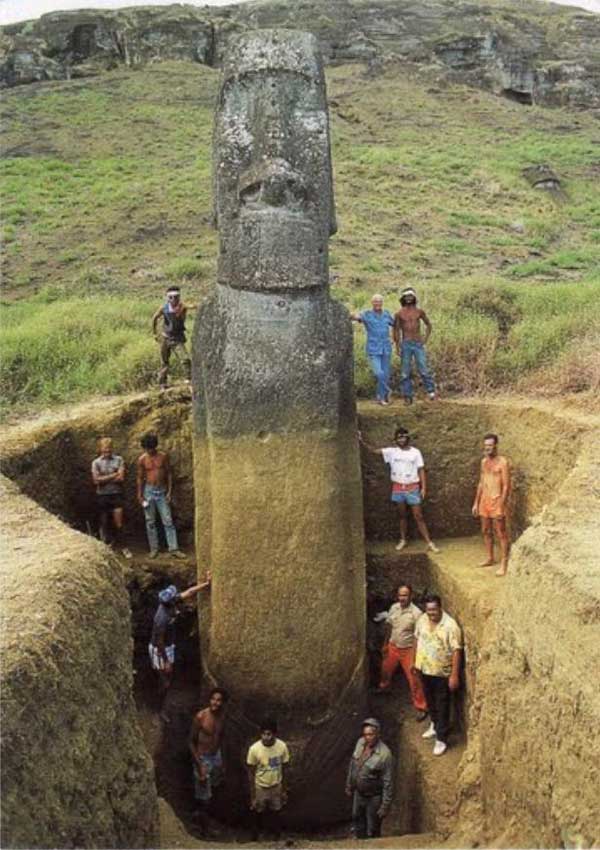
161,648
377,323
369,781
410,343
173,313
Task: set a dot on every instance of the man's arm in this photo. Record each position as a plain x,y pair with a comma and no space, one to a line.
423,481
397,331
193,740
194,589
428,325
355,317
368,447
388,784
104,479
169,473
155,319
475,508
504,482
454,680
140,479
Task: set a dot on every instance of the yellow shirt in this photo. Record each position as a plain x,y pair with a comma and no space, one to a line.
436,644
268,762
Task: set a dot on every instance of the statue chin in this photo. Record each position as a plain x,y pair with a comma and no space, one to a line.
273,249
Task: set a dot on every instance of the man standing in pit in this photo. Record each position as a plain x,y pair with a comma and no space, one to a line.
161,648
409,483
172,341
108,475
377,323
411,344
267,763
439,645
369,781
399,647
154,486
205,746
491,502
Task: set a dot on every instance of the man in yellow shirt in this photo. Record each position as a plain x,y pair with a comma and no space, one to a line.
439,646
267,763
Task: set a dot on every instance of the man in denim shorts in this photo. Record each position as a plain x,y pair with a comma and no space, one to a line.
409,483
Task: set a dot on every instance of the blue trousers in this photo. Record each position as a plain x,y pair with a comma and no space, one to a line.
157,501
381,365
416,350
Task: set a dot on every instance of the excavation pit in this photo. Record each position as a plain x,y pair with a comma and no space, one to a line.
511,657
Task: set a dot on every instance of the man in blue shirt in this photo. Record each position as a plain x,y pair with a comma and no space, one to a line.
377,323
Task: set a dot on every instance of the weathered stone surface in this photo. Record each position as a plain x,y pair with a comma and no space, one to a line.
531,52
75,772
277,476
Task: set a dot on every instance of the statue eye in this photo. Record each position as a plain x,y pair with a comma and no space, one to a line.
251,193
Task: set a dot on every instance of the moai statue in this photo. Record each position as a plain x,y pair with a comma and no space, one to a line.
276,464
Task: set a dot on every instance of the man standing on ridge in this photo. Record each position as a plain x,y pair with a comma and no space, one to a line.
409,483
411,344
377,323
154,485
491,502
370,781
399,647
172,341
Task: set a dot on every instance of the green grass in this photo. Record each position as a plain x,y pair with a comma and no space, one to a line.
106,199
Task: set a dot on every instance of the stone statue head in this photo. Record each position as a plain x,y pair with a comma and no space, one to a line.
273,192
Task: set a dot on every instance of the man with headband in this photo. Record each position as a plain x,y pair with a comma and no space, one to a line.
410,343
173,313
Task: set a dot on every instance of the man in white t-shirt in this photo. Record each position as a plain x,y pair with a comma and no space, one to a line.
409,483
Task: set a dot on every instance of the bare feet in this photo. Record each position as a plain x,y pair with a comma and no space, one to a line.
487,563
500,572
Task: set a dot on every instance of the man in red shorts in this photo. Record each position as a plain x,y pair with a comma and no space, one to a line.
491,502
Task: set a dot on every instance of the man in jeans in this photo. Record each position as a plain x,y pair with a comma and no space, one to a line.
154,485
377,323
439,645
411,344
369,781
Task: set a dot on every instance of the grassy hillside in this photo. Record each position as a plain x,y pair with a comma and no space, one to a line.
106,198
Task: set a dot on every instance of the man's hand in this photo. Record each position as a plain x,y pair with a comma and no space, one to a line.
385,650
423,494
475,511
453,682
348,791
381,812
168,498
140,501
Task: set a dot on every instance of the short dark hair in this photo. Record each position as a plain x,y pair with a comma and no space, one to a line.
433,598
269,724
401,432
493,437
149,441
405,584
221,691
173,289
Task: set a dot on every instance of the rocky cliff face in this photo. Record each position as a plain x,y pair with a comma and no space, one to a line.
528,51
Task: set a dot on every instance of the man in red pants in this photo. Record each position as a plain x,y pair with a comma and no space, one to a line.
399,647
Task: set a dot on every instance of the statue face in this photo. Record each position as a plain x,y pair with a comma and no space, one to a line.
273,189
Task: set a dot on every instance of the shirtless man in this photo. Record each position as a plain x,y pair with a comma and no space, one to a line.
154,485
205,746
411,343
491,501
172,340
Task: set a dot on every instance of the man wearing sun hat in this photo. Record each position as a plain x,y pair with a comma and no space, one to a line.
161,648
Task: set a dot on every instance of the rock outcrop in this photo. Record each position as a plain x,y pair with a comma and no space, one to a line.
531,52
75,772
276,466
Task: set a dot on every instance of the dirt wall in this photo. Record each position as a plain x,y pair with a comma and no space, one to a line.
450,435
75,772
539,704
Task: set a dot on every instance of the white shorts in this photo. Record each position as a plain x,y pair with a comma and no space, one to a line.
156,660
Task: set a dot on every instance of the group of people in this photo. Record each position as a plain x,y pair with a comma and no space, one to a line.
426,645
409,339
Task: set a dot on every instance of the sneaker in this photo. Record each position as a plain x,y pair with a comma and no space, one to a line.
153,554
177,553
431,396
439,748
401,545
433,548
429,733
126,553
383,402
